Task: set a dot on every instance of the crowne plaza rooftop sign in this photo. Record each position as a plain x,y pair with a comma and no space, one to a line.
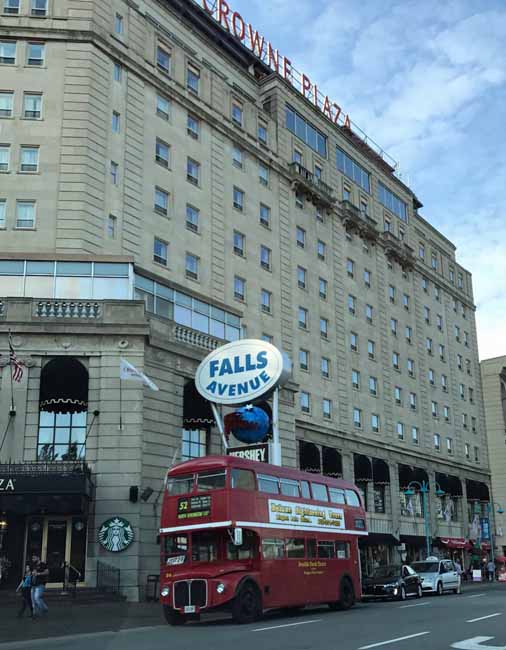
234,23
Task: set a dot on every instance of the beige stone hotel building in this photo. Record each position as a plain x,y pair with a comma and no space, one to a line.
163,190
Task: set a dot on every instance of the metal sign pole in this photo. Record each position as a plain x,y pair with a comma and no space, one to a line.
219,423
276,443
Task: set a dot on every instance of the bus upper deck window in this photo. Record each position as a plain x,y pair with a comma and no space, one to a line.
243,479
268,484
289,488
336,495
180,484
352,498
319,492
211,481
304,490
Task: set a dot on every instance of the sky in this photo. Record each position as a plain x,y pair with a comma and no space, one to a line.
427,81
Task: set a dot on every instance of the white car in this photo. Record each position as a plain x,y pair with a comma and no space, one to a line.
438,576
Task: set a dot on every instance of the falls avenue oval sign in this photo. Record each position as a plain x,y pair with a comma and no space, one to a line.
241,372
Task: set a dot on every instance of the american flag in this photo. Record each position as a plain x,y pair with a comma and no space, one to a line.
15,363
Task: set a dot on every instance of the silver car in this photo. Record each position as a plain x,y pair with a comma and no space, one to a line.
438,576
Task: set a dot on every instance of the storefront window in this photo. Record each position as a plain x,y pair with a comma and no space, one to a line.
379,499
411,506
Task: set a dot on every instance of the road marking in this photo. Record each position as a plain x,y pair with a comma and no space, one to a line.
475,644
475,596
401,638
54,640
417,605
275,627
482,618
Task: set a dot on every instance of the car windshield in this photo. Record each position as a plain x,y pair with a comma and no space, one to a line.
426,567
393,571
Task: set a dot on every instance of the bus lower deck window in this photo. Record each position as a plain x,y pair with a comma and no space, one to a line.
311,548
244,552
243,479
180,484
326,550
342,550
175,544
211,481
295,547
273,549
204,547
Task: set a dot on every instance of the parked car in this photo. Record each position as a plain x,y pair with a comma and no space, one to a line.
397,582
438,576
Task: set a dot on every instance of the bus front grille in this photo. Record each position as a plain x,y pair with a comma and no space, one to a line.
190,592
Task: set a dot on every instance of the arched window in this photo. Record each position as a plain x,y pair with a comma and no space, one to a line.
63,410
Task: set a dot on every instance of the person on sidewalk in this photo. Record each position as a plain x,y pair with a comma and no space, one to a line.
491,571
39,579
26,592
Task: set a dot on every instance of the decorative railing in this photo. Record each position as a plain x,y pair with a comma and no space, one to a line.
356,221
39,468
68,309
3,308
189,336
398,250
378,524
108,578
317,191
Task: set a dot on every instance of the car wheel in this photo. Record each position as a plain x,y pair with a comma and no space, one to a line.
173,617
247,606
419,591
439,589
402,593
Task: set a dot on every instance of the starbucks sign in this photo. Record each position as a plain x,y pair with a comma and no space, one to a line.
115,534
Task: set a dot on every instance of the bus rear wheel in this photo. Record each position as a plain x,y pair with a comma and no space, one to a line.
346,596
173,617
247,607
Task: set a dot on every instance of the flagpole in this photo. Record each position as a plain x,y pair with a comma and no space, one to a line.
120,404
13,408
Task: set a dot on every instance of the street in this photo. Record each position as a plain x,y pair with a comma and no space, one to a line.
467,622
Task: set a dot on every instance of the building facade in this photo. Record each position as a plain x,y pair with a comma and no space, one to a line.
493,377
162,191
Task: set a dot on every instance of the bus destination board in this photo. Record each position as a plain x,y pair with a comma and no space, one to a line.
300,516
193,507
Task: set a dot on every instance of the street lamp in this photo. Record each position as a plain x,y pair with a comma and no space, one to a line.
500,511
424,489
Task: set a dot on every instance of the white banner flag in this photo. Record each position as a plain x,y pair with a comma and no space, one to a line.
128,371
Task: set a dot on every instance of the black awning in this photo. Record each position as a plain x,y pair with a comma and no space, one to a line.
380,471
197,412
415,540
477,491
362,468
64,386
451,485
309,457
407,474
378,538
332,462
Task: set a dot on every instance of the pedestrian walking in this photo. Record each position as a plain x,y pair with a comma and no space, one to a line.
39,579
26,592
491,571
458,568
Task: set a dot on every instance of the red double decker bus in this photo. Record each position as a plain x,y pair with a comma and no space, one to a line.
245,536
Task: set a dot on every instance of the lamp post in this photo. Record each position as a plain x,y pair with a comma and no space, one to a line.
424,489
491,523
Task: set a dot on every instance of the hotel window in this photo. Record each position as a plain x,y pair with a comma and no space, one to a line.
318,173
323,288
8,52
471,395
352,170
3,210
117,72
11,6
393,326
39,8
112,223
400,430
300,235
301,277
118,24
306,131
387,227
411,367
305,402
355,379
239,243
451,275
434,409
462,391
433,261
357,418
194,444
460,281
425,284
265,258
457,333
5,152
352,304
444,383
32,106
426,315
193,126
193,79
237,113
421,252
324,328
437,293
35,53
428,345
466,339
263,174
446,412
364,207
162,153
6,104
163,58
459,362
369,313
467,450
192,218
396,360
192,264
297,157
371,349
161,201
373,386
405,301
114,173
412,401
437,442
353,342
398,395
473,424
392,202
192,171
237,156
367,277
29,161
238,199
239,288
409,334
431,375
375,423
350,268
303,359
391,293
464,420
321,249
325,367
262,133
268,338
25,214
303,318
115,122
439,322
160,251
265,215
477,454
415,435
449,445
327,409
162,107
442,352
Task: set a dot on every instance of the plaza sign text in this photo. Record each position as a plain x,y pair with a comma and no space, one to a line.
234,23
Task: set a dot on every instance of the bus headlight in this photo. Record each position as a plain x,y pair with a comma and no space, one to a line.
165,592
220,588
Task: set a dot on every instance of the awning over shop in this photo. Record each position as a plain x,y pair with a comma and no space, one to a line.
332,462
451,485
414,540
477,491
380,472
373,539
362,468
455,543
309,457
197,412
407,474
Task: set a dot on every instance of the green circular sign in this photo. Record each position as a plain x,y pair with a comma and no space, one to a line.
116,534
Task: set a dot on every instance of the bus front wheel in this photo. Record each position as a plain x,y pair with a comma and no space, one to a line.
247,606
173,617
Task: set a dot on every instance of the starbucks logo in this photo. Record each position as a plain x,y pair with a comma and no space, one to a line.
116,534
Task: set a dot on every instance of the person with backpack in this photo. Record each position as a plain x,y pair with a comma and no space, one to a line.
26,592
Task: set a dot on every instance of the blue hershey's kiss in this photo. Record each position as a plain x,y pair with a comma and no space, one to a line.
249,424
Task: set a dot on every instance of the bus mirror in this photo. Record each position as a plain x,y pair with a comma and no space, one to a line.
237,536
